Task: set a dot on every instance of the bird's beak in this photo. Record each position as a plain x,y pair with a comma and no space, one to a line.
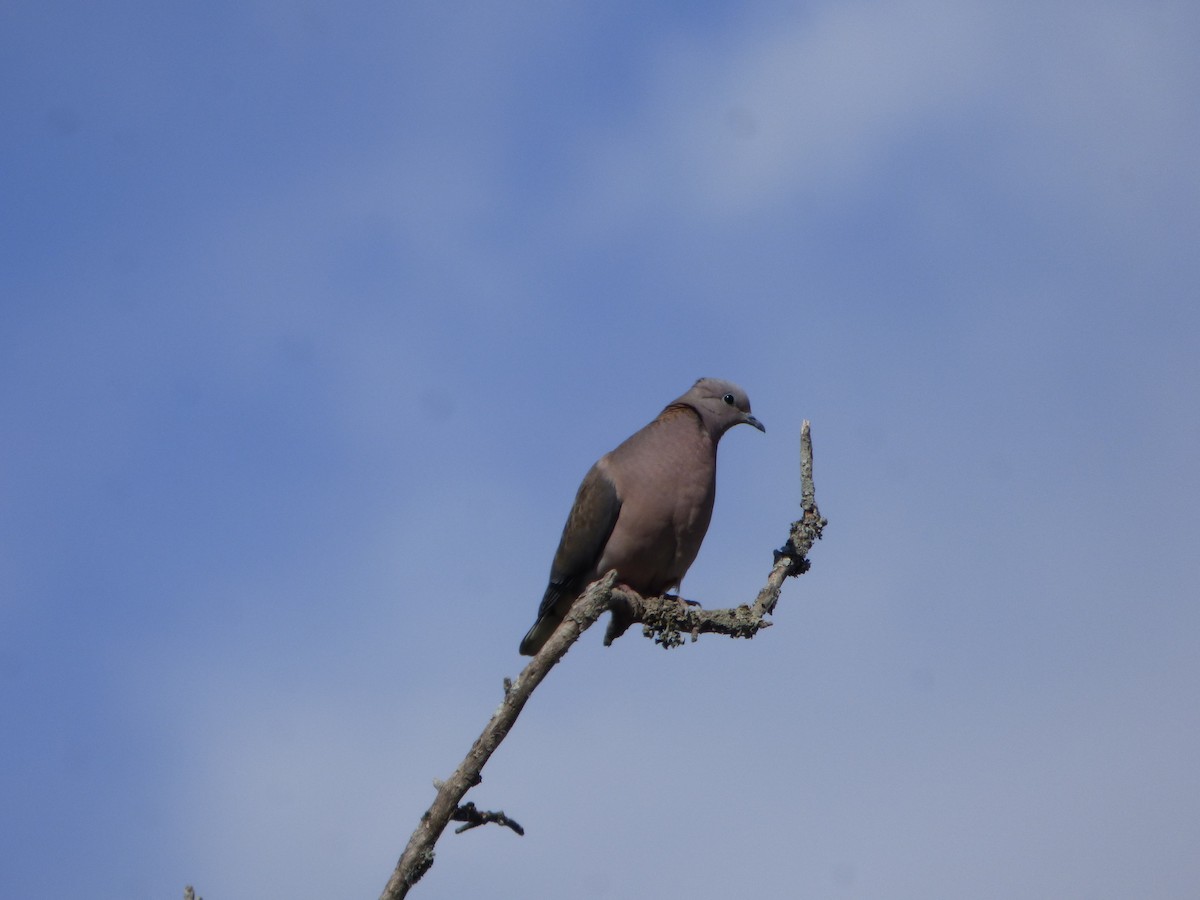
750,420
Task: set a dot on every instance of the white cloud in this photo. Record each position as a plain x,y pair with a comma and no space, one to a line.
1095,106
806,105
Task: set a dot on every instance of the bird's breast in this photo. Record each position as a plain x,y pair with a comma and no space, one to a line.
665,511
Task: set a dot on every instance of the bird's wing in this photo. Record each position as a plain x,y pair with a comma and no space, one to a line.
588,527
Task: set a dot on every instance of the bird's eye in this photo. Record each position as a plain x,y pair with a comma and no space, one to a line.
728,398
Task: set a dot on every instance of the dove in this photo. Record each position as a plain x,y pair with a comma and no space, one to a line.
644,508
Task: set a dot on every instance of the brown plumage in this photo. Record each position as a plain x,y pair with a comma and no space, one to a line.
643,508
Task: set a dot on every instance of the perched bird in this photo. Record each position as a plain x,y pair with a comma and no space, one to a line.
644,508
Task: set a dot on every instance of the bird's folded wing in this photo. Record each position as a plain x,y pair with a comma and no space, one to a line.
588,527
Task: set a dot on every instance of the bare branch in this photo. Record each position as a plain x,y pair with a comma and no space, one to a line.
666,619
418,855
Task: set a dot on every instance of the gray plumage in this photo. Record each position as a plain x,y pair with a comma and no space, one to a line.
643,508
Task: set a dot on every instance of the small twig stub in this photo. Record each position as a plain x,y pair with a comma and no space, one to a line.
476,817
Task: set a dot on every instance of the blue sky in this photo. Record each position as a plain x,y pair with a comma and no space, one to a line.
312,316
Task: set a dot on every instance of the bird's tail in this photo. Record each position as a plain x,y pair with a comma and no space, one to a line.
537,636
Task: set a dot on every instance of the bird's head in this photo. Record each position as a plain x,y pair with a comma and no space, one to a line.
721,405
